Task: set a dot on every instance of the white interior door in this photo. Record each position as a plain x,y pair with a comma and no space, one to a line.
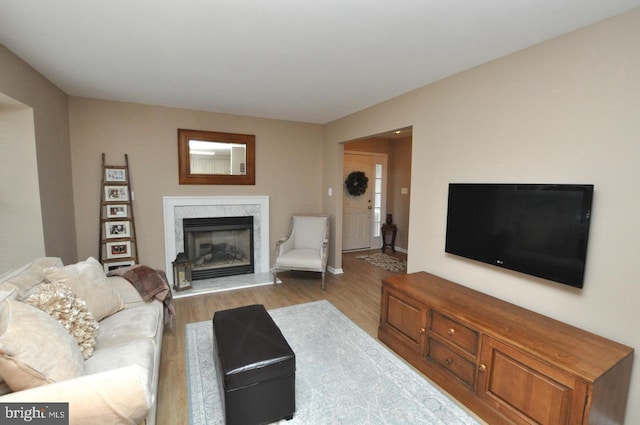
356,219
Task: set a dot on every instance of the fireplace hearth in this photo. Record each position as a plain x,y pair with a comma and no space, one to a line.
219,246
178,208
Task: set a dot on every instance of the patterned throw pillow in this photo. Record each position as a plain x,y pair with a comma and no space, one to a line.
59,301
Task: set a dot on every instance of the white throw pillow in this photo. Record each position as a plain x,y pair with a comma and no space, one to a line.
88,281
26,278
35,349
12,294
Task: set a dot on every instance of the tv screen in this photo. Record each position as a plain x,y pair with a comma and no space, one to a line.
538,229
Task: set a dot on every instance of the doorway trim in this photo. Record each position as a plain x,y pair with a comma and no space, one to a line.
374,239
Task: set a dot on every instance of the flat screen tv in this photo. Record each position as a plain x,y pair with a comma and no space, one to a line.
538,229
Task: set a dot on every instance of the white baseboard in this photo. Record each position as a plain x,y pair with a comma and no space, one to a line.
333,270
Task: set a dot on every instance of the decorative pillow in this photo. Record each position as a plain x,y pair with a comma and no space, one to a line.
89,282
59,301
28,277
34,348
11,294
4,388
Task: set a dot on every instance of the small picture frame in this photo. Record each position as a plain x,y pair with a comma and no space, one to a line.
116,193
115,175
117,229
118,264
117,211
118,249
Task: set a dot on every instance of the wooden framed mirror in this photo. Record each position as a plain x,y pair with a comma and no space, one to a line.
209,157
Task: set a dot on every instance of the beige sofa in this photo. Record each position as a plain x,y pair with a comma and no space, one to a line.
103,359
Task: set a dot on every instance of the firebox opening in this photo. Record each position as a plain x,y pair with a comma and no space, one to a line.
219,246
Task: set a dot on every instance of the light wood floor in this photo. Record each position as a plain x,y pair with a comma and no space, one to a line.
356,293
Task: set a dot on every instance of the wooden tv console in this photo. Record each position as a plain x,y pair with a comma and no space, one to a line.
507,364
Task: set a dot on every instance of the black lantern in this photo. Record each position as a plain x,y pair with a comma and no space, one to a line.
181,272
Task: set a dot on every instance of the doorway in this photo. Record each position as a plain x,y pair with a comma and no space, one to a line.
386,160
362,213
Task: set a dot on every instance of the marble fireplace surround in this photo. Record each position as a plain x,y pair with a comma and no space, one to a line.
178,207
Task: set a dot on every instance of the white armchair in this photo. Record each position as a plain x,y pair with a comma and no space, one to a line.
306,246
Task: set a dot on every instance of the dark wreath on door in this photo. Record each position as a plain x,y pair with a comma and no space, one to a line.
356,183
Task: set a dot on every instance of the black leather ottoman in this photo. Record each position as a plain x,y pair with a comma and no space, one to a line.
255,366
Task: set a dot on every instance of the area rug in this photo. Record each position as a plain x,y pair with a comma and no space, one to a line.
385,261
343,375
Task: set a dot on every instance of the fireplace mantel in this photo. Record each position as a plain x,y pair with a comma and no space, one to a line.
178,207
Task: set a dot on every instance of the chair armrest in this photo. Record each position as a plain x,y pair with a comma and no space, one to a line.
325,244
324,253
118,396
284,245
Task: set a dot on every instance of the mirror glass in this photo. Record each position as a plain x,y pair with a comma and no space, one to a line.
217,158
207,157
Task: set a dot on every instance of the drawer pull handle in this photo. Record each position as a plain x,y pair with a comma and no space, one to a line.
449,361
422,331
482,368
451,332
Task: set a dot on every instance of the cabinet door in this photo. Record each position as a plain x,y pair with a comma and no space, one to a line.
525,389
404,318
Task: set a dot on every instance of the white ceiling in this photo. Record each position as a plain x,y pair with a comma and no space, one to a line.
302,60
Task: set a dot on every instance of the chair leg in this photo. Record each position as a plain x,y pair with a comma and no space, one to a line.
275,275
323,281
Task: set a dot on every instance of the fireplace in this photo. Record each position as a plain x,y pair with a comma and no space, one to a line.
219,246
178,208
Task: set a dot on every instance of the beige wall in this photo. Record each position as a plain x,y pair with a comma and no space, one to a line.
288,166
19,191
400,177
565,111
51,130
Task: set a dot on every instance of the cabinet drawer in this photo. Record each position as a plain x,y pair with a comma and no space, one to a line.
453,362
458,334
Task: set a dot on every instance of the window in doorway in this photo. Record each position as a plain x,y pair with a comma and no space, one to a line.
377,201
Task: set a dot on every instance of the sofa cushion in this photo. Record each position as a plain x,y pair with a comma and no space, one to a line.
35,349
144,321
58,300
26,278
141,352
89,282
301,258
119,396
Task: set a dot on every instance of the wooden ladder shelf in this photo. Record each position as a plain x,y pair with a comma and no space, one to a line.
118,247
